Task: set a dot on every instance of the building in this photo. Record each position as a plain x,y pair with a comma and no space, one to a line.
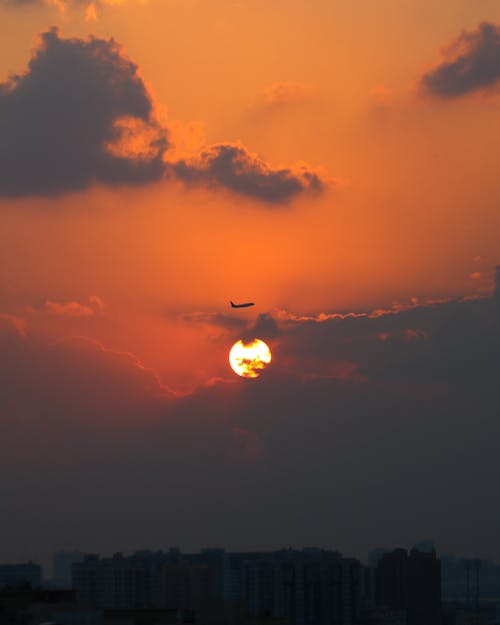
312,586
410,583
384,616
20,575
120,583
24,606
62,563
466,615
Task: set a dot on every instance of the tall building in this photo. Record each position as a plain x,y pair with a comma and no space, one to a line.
119,582
190,586
312,587
411,583
62,563
20,575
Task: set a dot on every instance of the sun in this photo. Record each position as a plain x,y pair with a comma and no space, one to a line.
248,359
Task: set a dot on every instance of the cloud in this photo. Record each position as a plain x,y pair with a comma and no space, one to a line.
232,166
15,322
81,114
77,379
75,309
450,342
282,94
265,327
470,63
57,119
218,320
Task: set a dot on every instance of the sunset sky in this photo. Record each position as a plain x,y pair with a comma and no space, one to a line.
334,162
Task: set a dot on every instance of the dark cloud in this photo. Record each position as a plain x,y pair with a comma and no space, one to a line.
82,114
57,119
233,167
265,327
471,63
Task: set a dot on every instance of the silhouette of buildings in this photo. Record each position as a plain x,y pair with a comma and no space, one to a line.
308,587
287,587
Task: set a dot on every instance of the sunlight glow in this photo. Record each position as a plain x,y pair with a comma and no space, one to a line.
249,359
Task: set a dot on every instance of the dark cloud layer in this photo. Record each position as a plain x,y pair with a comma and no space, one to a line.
82,114
365,430
471,63
57,119
233,167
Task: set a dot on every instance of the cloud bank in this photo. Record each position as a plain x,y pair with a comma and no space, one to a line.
384,411
470,63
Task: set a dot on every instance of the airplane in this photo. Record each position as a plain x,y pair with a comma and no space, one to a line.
246,305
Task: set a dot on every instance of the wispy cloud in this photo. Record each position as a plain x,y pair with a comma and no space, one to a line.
75,309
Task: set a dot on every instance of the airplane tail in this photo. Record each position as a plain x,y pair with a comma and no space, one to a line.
233,305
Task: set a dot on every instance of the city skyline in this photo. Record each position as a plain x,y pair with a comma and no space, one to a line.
58,564
398,587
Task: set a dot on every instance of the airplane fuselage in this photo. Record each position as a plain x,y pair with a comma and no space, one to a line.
245,305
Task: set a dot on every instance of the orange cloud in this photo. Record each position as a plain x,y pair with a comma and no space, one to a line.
16,322
75,309
281,94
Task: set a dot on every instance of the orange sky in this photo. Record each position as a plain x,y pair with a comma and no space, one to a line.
415,198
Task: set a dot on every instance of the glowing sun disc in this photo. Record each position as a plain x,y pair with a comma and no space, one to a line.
249,359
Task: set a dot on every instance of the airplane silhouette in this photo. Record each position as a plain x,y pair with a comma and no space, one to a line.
246,305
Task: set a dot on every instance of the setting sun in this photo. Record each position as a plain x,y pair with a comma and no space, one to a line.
249,359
